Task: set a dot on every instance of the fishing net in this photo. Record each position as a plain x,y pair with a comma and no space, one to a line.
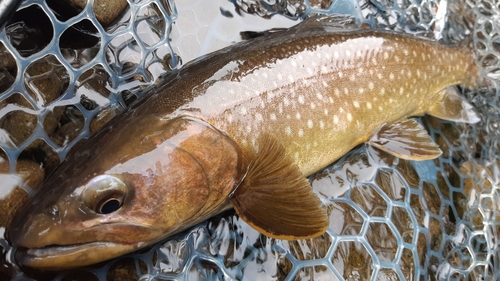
67,68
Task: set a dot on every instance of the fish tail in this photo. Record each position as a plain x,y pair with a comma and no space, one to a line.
458,27
474,80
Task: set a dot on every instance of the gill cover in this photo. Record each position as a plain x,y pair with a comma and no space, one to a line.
124,190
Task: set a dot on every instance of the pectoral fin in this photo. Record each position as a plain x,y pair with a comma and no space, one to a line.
276,199
406,139
453,107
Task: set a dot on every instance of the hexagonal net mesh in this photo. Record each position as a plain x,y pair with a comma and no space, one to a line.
69,67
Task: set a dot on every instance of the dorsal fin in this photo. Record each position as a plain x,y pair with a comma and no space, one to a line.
275,198
451,106
406,139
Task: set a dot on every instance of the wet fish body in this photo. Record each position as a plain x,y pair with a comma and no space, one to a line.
242,127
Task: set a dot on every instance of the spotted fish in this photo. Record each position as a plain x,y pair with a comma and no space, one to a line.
242,128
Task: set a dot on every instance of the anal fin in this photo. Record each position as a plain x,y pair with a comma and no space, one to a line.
453,107
275,198
406,139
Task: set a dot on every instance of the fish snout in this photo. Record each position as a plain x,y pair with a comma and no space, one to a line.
31,231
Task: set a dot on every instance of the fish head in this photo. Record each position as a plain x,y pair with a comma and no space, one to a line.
125,190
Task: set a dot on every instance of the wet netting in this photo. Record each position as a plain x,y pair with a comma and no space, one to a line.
68,66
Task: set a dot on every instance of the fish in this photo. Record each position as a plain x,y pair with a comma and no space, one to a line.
243,128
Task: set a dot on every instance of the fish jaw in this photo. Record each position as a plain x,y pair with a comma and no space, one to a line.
70,256
49,243
59,257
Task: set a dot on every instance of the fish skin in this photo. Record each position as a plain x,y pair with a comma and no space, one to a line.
318,90
344,88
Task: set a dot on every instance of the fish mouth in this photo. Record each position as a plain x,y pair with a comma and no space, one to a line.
60,257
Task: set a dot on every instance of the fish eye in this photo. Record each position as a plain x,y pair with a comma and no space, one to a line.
109,206
104,194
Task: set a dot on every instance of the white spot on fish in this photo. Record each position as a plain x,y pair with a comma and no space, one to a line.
286,102
258,117
349,117
310,124
370,85
273,117
356,104
288,131
301,133
297,116
391,76
301,99
321,124
243,111
335,119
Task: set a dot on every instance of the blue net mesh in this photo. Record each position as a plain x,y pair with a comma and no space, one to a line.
391,219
